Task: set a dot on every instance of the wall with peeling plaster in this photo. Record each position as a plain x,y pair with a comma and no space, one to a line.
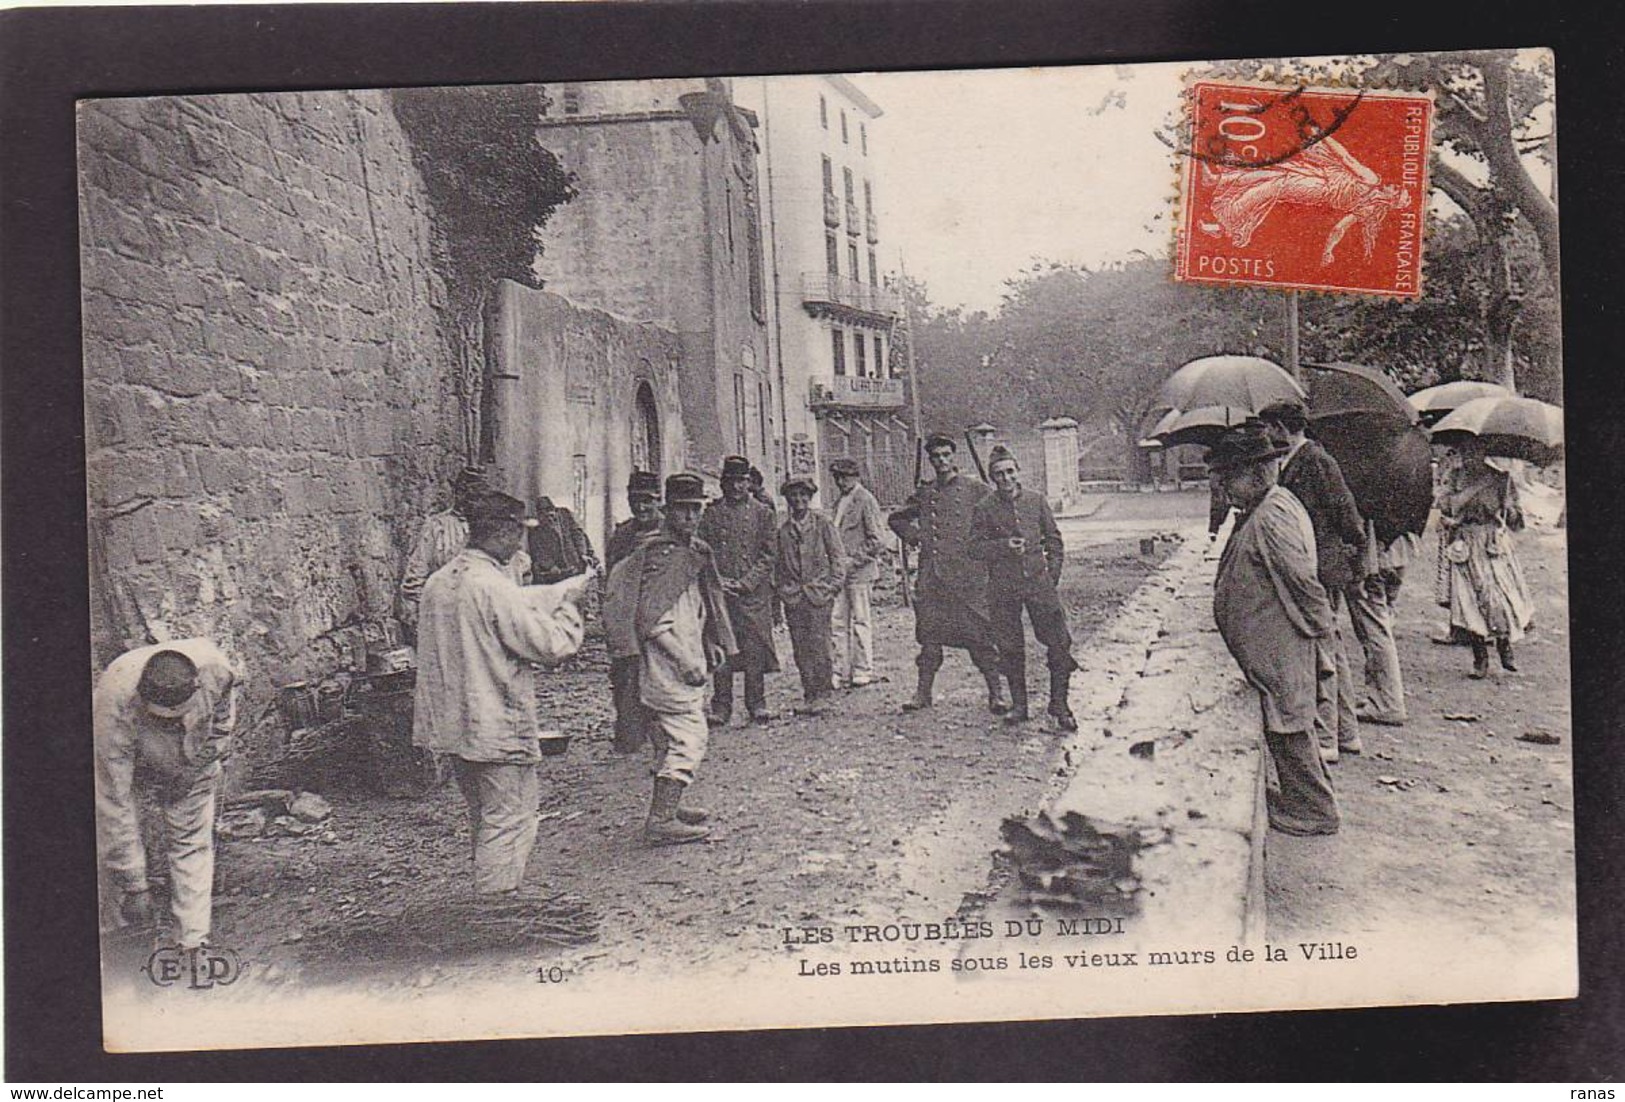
564,403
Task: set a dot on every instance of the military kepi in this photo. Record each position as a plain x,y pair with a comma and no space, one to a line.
643,484
940,440
681,488
798,485
735,466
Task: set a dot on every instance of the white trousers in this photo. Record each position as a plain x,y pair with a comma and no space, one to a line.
680,739
852,632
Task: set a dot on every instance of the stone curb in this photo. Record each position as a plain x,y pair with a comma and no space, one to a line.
1168,753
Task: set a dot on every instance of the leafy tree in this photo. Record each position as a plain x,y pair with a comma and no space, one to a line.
491,188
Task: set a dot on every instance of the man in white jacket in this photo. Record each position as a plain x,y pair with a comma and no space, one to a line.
476,699
164,718
863,535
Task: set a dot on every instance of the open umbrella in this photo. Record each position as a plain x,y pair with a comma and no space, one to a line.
1196,426
1435,401
1388,466
1242,382
1517,428
1339,389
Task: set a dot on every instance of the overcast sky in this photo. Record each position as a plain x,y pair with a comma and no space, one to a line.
986,170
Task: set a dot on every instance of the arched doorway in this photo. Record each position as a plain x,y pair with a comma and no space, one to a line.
645,430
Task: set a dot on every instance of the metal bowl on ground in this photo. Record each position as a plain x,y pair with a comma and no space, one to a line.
553,743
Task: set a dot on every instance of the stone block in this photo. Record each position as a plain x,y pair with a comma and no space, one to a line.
177,526
188,376
294,493
319,496
241,424
130,236
186,287
379,434
185,421
254,503
180,474
368,359
142,528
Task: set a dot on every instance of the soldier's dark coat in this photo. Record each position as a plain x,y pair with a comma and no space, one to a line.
743,538
950,603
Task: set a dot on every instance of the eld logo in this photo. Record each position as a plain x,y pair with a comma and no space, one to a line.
200,968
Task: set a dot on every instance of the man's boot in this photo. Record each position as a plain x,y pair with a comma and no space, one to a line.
996,701
1503,647
692,814
722,701
756,696
663,827
1060,683
1018,712
922,692
1481,660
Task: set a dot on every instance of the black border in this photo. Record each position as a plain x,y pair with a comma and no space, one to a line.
49,57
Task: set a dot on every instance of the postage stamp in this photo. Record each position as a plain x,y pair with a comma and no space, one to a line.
1321,189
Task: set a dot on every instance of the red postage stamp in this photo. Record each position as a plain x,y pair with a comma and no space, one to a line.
1320,189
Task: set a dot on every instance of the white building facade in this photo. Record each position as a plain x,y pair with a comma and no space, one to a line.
832,314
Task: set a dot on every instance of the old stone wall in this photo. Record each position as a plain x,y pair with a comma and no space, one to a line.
270,395
661,231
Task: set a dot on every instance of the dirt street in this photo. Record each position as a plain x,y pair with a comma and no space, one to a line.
1454,823
865,811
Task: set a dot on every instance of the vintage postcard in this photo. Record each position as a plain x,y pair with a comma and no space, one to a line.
827,549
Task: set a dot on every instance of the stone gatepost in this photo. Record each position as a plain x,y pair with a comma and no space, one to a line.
1060,436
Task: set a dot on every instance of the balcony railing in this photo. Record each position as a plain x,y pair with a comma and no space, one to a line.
818,288
856,392
853,225
832,209
871,228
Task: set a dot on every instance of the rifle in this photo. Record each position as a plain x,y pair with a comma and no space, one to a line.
902,544
981,471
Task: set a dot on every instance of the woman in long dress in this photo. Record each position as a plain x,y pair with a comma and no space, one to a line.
1489,599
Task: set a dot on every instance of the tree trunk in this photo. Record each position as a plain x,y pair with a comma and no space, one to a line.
1500,316
1507,167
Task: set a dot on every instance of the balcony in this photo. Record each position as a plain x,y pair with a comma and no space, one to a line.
847,299
856,392
871,228
832,209
853,225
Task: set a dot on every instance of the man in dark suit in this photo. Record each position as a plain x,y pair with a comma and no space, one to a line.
1316,480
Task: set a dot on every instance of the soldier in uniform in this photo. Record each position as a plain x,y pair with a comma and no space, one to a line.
1017,537
950,603
666,601
742,534
631,718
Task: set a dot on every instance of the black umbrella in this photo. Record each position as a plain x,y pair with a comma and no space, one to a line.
1338,389
1388,465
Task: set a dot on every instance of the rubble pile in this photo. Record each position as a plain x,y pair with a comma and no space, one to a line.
276,813
1075,863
